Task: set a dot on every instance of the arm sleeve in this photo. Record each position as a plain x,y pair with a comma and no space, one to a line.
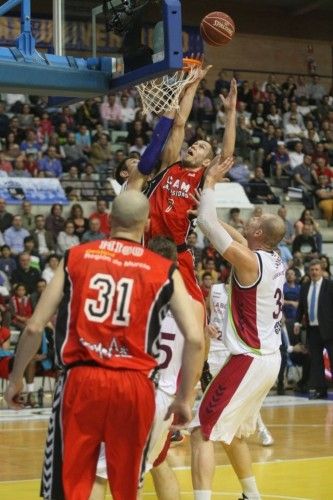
209,224
152,153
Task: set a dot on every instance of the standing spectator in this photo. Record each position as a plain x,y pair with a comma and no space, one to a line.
316,90
50,164
25,274
67,239
316,310
6,218
15,234
93,233
28,220
55,222
43,239
324,195
126,111
102,215
80,222
20,306
291,292
111,112
52,263
259,190
296,156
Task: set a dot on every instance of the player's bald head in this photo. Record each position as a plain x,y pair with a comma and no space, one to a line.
129,210
273,229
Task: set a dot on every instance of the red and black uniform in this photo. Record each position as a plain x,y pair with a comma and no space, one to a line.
107,340
169,201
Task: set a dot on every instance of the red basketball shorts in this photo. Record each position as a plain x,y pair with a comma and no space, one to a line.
186,268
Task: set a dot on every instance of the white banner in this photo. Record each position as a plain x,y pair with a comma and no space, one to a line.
231,195
38,191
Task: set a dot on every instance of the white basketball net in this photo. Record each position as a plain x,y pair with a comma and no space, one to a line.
161,95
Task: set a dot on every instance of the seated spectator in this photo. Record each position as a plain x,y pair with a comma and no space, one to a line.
243,139
274,116
31,165
50,164
25,274
296,156
298,266
136,129
101,155
304,175
7,262
43,239
221,83
74,153
102,215
62,132
292,131
316,91
310,132
19,169
55,222
21,307
235,219
244,114
89,183
291,291
30,145
5,165
138,146
29,248
202,107
88,113
52,262
289,234
306,243
15,234
209,267
66,238
12,149
324,195
110,112
71,180
46,126
83,138
259,190
280,161
321,167
93,233
26,117
307,218
28,220
80,222
320,153
6,218
35,296
240,172
269,145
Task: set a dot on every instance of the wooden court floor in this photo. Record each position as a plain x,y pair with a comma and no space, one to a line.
299,466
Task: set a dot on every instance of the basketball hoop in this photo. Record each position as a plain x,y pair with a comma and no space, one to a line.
161,95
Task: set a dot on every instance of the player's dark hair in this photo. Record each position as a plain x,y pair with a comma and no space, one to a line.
165,246
122,166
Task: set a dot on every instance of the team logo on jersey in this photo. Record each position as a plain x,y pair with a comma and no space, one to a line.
277,327
177,188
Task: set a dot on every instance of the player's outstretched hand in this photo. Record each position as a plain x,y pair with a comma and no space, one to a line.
13,395
230,101
182,412
218,169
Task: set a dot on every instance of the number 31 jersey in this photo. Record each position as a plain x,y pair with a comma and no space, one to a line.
255,312
114,295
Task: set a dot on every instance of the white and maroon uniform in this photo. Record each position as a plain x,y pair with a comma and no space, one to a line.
218,353
231,404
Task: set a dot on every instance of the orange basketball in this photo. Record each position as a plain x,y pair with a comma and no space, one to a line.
217,28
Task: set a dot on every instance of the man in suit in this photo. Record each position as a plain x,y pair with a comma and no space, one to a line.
43,239
316,308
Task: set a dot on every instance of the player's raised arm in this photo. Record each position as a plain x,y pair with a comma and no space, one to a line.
172,149
229,137
32,335
242,258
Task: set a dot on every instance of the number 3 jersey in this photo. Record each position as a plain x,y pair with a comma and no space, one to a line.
255,312
114,295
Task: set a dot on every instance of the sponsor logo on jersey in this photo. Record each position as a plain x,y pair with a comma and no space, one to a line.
177,188
115,349
119,247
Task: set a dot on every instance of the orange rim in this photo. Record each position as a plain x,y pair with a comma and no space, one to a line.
189,63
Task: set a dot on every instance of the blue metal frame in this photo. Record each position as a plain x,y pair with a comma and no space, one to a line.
24,70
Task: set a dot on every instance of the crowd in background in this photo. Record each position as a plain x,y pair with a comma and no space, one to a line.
284,138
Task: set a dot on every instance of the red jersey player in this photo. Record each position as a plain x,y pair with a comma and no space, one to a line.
111,296
170,191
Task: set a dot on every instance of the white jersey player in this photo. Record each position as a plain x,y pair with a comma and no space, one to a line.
218,353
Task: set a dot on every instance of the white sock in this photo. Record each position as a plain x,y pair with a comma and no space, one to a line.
31,387
250,489
202,494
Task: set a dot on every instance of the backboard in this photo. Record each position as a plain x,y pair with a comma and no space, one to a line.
30,70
